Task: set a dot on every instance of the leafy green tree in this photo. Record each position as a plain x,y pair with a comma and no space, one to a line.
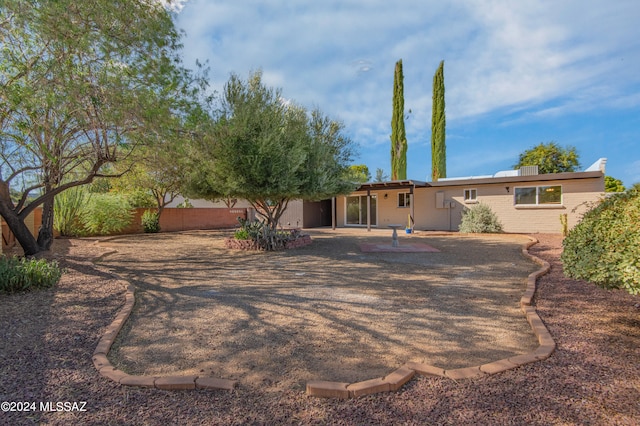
81,85
438,127
269,152
158,170
360,173
604,247
398,135
550,158
612,184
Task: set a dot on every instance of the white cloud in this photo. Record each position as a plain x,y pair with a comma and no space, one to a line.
530,61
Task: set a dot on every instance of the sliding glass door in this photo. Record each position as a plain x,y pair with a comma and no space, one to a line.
356,208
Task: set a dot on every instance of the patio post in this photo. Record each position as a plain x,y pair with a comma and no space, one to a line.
411,207
333,213
368,210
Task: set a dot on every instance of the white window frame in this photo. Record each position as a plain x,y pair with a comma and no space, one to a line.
537,203
470,191
407,200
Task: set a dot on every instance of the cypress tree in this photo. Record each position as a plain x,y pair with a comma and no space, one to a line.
438,124
398,135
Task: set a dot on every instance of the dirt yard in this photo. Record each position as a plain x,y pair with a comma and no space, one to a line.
328,311
47,339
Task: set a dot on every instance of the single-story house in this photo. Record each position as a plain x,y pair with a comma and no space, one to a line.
523,200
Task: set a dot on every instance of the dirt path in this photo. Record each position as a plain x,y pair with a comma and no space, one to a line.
327,311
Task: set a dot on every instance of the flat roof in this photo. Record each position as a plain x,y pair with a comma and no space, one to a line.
409,183
515,179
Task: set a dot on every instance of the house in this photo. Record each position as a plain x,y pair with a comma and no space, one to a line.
523,200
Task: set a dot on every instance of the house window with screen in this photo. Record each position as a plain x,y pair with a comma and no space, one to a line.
470,195
404,199
538,195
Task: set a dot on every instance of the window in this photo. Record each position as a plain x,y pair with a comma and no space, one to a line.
404,199
539,195
470,195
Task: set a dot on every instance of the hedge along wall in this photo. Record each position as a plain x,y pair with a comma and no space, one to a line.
174,219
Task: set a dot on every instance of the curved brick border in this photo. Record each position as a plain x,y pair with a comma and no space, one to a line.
402,375
104,367
325,389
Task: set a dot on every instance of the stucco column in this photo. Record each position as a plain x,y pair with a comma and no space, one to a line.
412,207
369,210
333,213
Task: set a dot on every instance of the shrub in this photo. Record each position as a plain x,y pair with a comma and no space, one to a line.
265,237
27,274
140,198
480,219
241,234
107,214
150,222
68,207
604,247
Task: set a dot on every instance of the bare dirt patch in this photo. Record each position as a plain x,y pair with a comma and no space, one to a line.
47,338
327,311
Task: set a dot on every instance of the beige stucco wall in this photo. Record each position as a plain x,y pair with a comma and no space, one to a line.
575,193
524,219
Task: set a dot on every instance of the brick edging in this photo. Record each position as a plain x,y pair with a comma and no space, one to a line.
104,367
327,389
398,378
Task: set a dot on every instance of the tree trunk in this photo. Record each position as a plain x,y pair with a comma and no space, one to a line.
22,233
45,233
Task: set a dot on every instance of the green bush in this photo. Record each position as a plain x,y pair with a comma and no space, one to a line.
265,237
150,222
604,247
241,234
107,214
22,274
68,207
480,219
140,198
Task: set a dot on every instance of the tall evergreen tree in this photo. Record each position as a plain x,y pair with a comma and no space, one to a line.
398,135
438,125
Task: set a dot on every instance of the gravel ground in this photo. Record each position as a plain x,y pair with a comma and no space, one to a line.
47,338
326,311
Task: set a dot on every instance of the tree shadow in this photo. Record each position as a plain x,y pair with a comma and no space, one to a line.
377,310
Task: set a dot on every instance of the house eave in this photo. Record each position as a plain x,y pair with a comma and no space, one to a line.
517,179
393,184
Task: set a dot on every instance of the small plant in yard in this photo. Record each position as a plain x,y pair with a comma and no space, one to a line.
264,237
27,274
68,207
150,222
564,223
604,247
480,219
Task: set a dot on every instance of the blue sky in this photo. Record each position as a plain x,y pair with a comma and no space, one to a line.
516,73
